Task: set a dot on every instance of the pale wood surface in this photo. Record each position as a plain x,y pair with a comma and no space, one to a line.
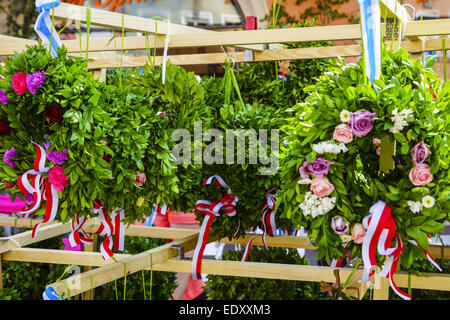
107,273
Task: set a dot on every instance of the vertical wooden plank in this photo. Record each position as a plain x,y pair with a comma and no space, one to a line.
1,273
381,288
88,295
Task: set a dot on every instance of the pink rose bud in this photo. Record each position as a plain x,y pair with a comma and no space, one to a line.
57,178
376,142
140,179
321,187
343,133
378,151
420,176
339,225
358,233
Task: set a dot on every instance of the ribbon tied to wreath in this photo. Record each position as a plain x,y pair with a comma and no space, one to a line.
267,222
40,188
211,211
44,27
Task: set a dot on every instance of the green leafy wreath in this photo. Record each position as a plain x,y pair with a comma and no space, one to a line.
330,167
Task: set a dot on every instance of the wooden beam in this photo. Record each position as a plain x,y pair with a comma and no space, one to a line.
107,273
393,8
22,222
130,23
24,238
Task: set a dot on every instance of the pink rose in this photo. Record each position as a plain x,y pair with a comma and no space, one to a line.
420,176
358,233
321,187
343,133
376,142
140,179
339,225
378,151
19,83
57,178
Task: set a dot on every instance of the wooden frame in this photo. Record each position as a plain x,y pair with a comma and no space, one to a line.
164,258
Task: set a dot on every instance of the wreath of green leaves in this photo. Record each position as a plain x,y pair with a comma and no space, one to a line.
357,181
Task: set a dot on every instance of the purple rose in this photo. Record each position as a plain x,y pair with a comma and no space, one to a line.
361,122
420,154
35,80
317,169
3,97
339,225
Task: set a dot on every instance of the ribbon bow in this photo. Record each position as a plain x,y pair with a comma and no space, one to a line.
44,27
40,188
106,229
211,211
267,221
77,227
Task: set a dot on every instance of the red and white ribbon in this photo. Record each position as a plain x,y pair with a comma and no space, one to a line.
75,238
267,222
380,232
105,229
211,211
40,188
118,215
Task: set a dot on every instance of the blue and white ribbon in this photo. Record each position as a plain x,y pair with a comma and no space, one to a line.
44,27
50,294
371,32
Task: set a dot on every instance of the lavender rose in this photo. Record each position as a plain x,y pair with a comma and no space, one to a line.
420,154
339,225
317,169
361,122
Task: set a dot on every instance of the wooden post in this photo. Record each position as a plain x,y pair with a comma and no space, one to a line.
1,273
381,288
89,295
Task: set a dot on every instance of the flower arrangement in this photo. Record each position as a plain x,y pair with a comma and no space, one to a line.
329,190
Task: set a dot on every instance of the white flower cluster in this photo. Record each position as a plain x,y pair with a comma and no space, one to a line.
329,147
315,206
417,206
400,119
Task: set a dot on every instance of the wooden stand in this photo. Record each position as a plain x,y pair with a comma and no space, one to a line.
102,56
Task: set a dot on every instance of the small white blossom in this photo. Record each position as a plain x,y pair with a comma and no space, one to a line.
315,206
345,115
400,119
329,147
304,181
415,206
428,201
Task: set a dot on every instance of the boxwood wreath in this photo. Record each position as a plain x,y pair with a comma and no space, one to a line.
330,167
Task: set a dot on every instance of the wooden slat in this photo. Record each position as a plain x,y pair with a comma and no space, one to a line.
22,222
23,239
130,23
96,277
393,8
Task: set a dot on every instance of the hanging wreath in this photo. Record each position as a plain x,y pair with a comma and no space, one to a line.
331,167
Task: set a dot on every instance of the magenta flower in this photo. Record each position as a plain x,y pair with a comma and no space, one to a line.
35,80
28,197
361,122
9,156
3,97
46,144
58,157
